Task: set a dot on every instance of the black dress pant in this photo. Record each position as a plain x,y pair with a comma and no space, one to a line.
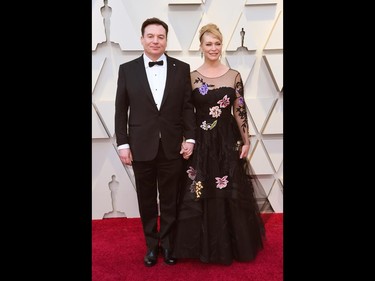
158,175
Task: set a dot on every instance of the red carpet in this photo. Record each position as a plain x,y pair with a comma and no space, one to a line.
118,248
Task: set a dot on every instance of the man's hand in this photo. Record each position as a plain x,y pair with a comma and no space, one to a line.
126,156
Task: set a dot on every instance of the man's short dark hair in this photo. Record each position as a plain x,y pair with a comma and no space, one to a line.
154,21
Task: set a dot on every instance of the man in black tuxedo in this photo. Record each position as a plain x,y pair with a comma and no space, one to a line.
155,130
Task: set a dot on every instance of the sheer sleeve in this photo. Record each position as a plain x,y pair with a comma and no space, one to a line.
239,109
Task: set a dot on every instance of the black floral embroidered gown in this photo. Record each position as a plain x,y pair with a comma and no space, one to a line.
218,217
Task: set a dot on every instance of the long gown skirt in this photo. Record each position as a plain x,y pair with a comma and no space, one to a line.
220,230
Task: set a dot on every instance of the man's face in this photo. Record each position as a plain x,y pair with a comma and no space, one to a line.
154,41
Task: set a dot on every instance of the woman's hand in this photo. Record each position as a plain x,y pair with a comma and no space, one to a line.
244,150
186,149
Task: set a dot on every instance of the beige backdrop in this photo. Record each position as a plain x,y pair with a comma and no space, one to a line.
258,56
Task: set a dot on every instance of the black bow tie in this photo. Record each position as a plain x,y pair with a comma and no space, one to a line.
152,63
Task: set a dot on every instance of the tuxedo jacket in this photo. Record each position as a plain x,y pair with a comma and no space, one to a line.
140,123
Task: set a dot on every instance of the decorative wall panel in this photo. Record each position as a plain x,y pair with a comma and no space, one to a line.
258,55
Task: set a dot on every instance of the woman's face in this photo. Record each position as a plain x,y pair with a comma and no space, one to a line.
211,46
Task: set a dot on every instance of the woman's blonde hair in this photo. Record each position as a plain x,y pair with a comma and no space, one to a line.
210,28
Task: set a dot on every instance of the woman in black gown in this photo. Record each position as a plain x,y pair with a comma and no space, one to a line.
218,217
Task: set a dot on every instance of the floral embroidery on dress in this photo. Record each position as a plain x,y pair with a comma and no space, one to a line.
203,89
192,173
224,102
215,112
241,101
195,187
241,109
221,182
198,188
208,126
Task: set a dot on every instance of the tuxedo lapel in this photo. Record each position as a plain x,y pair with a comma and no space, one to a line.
171,76
141,71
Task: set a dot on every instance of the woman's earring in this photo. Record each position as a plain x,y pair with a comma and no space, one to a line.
201,55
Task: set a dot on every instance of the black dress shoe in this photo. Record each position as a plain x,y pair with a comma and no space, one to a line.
151,257
168,257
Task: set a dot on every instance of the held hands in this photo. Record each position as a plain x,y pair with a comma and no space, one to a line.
186,149
126,156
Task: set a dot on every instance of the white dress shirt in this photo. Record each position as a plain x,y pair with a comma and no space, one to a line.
156,76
